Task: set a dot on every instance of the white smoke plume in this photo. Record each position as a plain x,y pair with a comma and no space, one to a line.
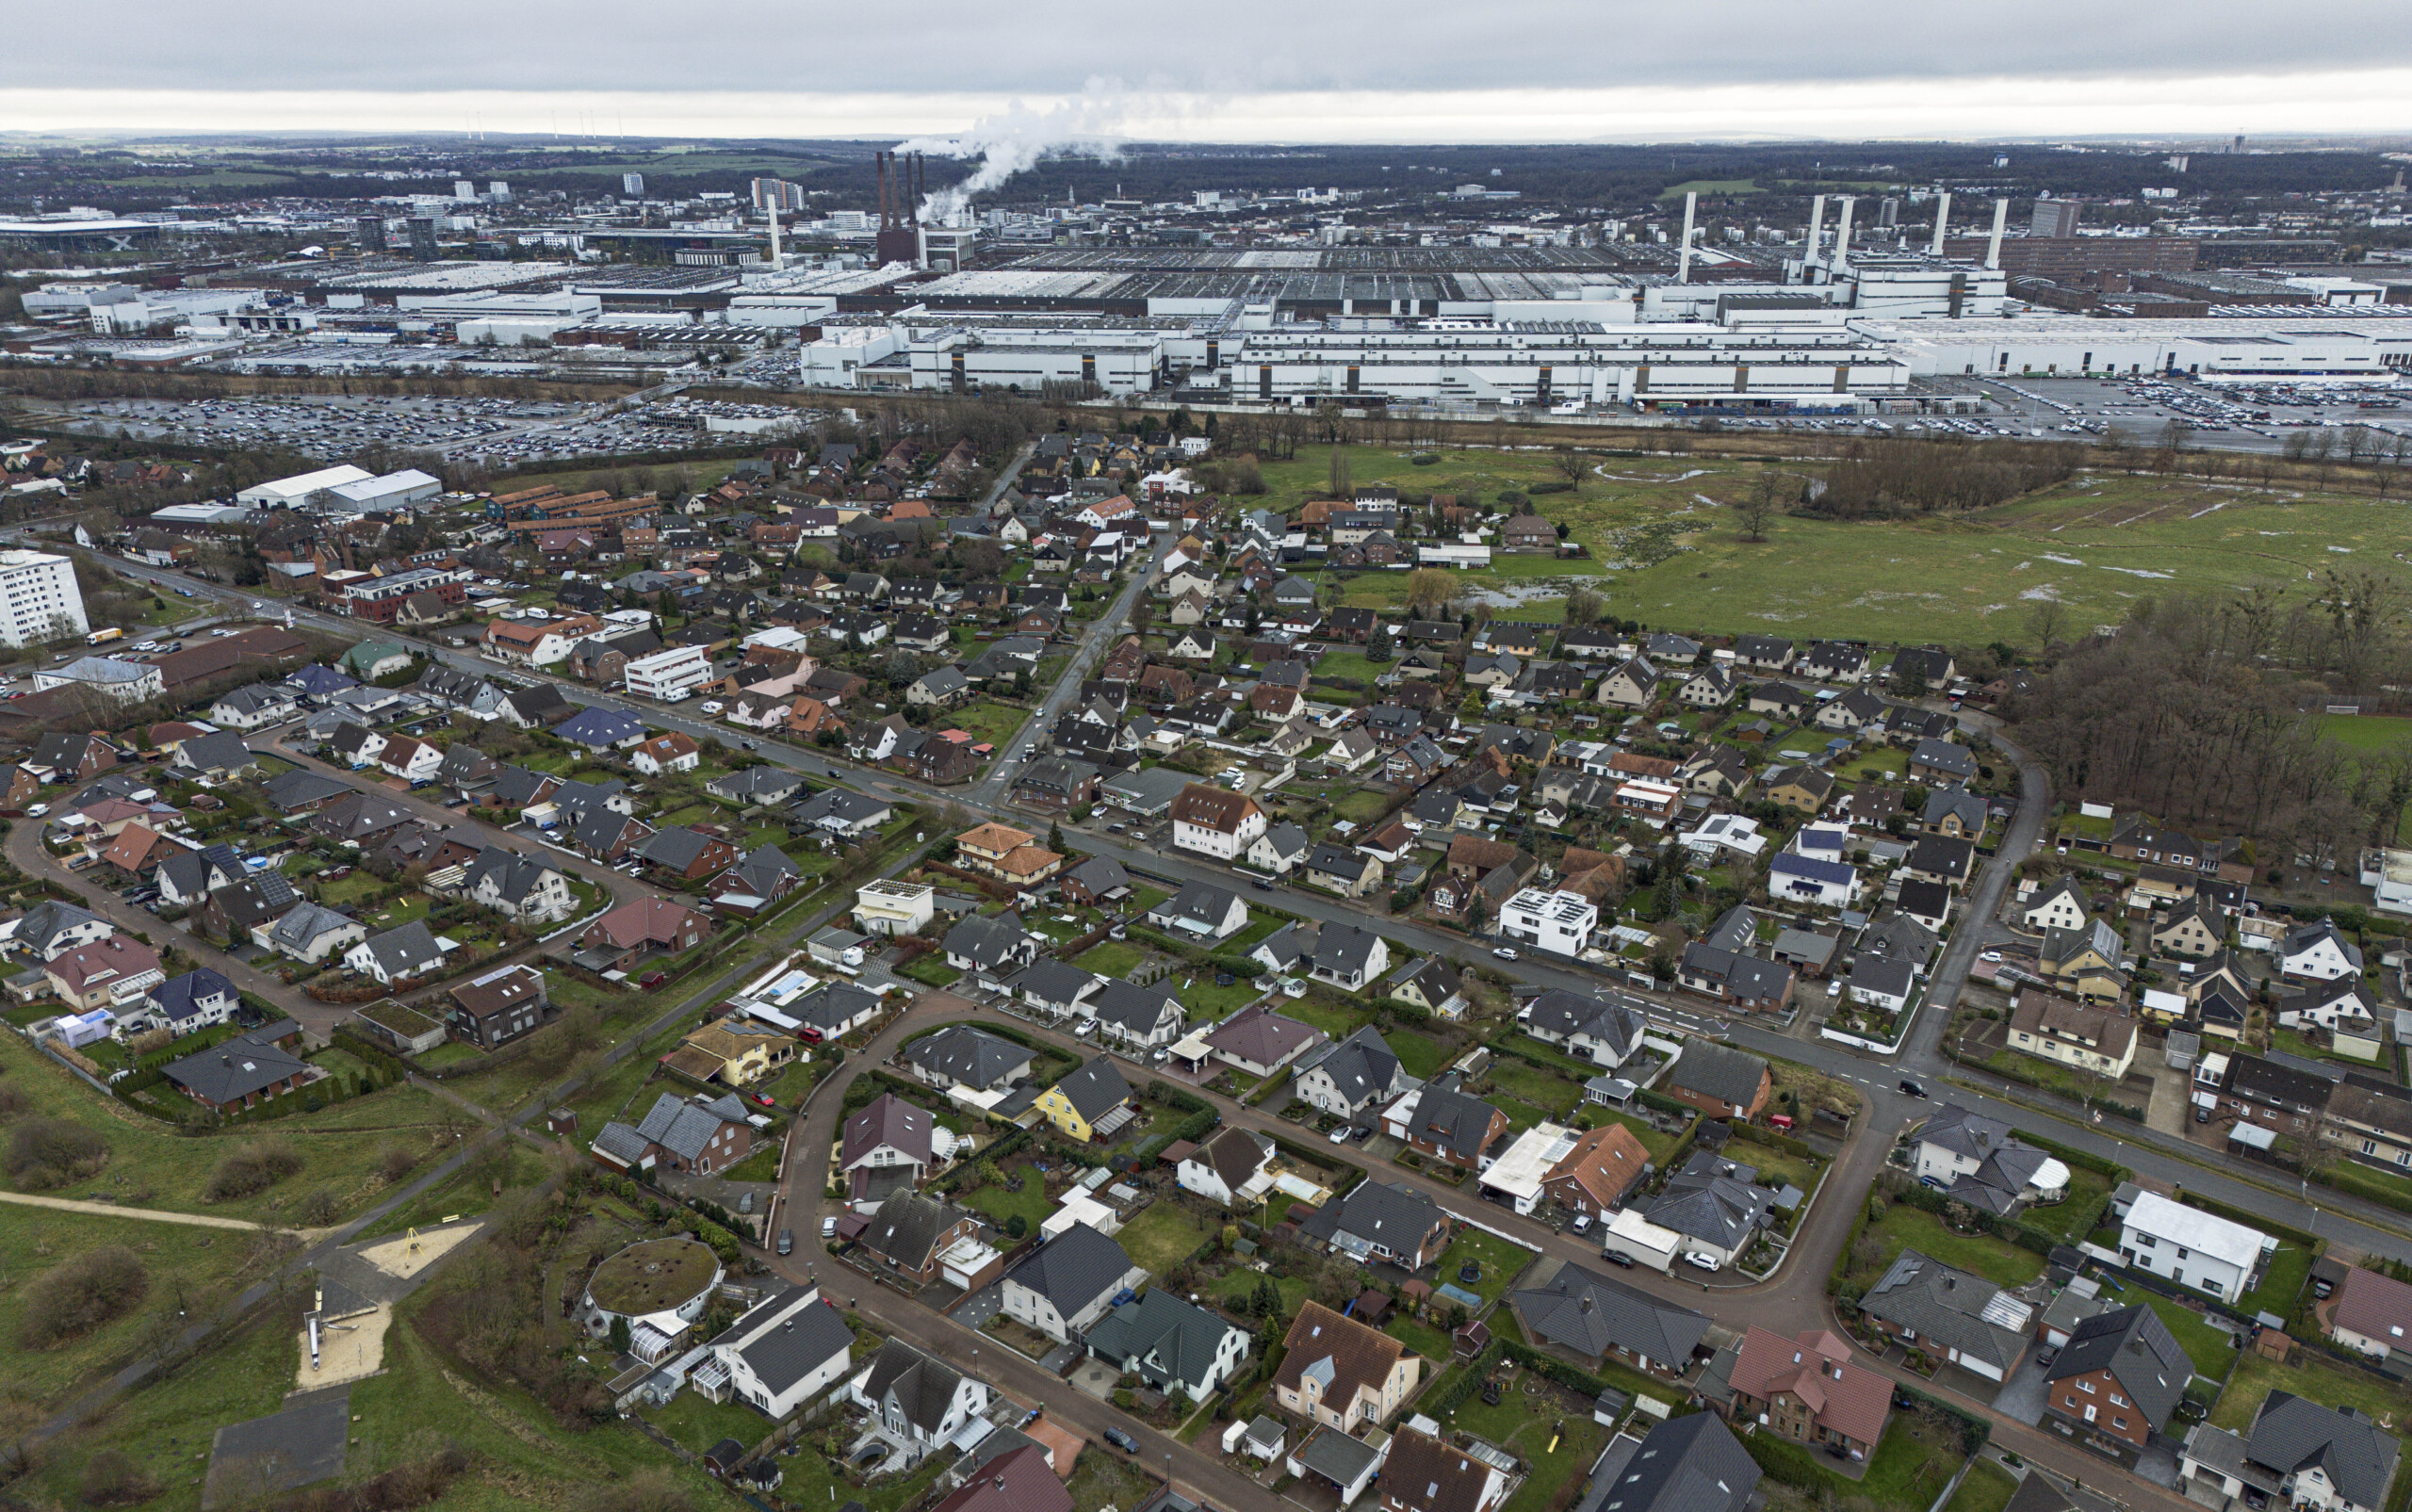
1020,138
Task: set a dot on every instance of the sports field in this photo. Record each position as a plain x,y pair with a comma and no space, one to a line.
1666,550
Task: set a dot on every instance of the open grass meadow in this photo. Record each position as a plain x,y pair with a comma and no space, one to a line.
1666,551
1499,1260
1906,1228
1557,1447
1164,1236
1987,1488
2210,1348
2256,1378
148,1165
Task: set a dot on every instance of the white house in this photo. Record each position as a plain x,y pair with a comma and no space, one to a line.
923,1401
1808,879
781,1354
669,674
1558,923
2061,907
2317,951
2190,1247
1279,849
1883,986
410,760
2343,1002
1215,821
1067,1283
1736,834
898,908
1232,1169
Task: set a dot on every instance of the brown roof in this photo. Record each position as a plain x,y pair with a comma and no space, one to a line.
1022,860
642,919
133,847
1628,764
1604,1162
2042,1013
1476,854
496,991
1423,1474
1817,1368
210,658
999,839
1235,1156
2374,1306
1211,807
1361,1357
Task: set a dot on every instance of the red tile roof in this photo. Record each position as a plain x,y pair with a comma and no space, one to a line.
1817,1369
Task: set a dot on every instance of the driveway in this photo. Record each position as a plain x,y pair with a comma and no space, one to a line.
2022,1396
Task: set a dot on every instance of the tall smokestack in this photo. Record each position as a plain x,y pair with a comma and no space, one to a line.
921,185
1684,265
1942,214
1842,233
774,236
881,160
1816,232
1992,247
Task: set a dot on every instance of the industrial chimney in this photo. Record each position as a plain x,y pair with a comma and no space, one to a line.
1942,215
1684,265
1842,233
1816,234
1992,247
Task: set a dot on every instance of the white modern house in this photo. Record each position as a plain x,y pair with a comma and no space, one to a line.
2190,1247
783,1353
884,907
1558,923
669,674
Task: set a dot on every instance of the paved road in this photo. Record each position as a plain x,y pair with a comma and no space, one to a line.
992,791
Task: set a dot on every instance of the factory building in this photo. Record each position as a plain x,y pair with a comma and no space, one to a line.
2244,346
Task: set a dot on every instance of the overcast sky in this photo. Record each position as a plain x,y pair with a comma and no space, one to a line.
1237,70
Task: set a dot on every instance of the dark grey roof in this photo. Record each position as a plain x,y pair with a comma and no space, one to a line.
1592,1314
1878,975
515,875
989,942
218,751
1566,1013
1136,1008
1050,981
836,1008
45,922
291,789
1095,1088
1944,1304
764,784
1686,1464
907,1227
234,1069
1360,1066
1952,758
1727,1075
1165,1339
1394,1215
1201,902
1712,1198
1964,1132
793,1336
1345,948
968,1055
761,870
674,848
2138,1351
2291,1434
407,951
1073,1269
1456,1121
1100,874
921,1386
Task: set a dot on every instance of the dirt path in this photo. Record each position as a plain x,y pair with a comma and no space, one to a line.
110,1209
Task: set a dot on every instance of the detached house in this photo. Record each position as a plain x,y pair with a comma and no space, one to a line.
1341,1373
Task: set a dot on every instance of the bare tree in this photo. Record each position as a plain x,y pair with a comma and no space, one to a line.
1757,507
2048,622
1571,465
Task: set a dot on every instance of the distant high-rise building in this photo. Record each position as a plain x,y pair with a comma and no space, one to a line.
463,190
498,191
2054,218
777,194
371,231
41,601
1888,214
422,229
632,185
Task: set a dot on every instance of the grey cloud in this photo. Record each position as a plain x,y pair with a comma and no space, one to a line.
1053,46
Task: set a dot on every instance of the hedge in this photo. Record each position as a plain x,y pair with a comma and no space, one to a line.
2100,1165
1835,1286
1452,1396
1774,1139
1555,1370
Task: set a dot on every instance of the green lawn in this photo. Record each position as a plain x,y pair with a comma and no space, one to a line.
1164,1236
984,721
1422,1054
1659,1146
2207,1346
1513,1425
762,1165
1112,958
1906,1228
1501,1263
1914,1462
1031,1201
1554,1095
2073,1218
1426,1341
1987,1488
2290,1268
698,1425
1334,1020
932,970
1360,805
2256,1378
1204,1001
1242,1283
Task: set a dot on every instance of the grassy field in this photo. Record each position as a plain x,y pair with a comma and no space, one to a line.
1501,1263
699,1424
1031,1201
1293,1290
2281,1283
1913,1463
985,721
1517,1425
1906,1228
1163,1237
2256,1378
2207,1346
1111,958
2072,1218
151,1166
1987,1488
1524,1086
1421,1054
1660,533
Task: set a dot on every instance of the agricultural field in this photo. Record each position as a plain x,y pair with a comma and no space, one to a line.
1666,551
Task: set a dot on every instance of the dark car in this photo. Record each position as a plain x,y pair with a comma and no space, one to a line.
2048,1354
1260,885
786,1241
1122,1440
1618,1257
1912,1088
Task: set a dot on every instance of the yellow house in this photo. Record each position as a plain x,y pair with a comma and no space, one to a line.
1091,1104
733,1054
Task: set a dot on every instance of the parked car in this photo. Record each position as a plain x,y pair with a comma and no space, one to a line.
829,1227
1122,1440
786,1241
2048,1354
1616,1257
1912,1088
1504,952
1701,1259
1582,1224
1340,1135
1991,957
